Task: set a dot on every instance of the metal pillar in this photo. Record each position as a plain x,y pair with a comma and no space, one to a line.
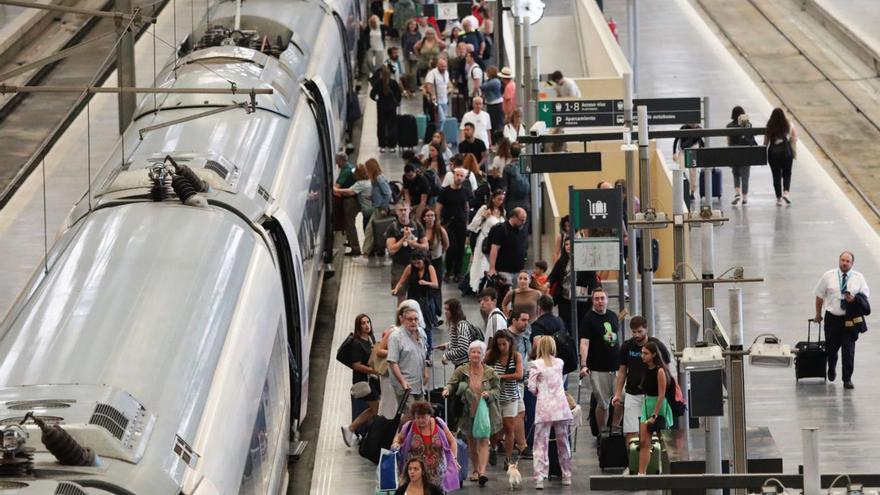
535,179
632,267
810,438
678,247
736,387
518,54
501,57
125,69
632,29
526,72
645,192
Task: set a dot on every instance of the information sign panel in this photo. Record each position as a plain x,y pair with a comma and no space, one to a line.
596,209
597,253
605,113
727,156
545,163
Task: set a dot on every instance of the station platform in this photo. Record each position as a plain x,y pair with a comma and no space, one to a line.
789,246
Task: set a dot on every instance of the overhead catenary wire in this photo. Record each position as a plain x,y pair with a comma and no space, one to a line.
45,224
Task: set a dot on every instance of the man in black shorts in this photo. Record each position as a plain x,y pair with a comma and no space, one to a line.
599,336
415,189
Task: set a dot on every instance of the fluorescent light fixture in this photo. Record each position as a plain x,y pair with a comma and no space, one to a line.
769,352
704,358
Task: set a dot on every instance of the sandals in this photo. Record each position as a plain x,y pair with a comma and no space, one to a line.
475,476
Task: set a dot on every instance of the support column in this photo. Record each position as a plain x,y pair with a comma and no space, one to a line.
678,247
645,192
812,484
632,266
125,68
736,387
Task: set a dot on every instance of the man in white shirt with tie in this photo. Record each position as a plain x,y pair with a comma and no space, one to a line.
835,289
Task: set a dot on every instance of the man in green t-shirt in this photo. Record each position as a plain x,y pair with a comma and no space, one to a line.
350,207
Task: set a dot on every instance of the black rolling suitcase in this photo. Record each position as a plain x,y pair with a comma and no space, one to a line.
612,451
812,358
381,434
407,131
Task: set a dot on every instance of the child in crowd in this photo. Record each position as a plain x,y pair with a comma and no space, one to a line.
540,274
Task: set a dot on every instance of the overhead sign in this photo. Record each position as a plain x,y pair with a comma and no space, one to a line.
608,113
596,209
447,11
544,163
728,156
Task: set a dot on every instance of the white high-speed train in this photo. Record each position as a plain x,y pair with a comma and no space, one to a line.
172,338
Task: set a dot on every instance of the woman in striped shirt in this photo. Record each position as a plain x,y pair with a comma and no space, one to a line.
508,365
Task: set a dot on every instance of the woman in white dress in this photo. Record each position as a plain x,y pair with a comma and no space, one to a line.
486,217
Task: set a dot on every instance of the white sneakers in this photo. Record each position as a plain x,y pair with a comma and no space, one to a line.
539,485
566,481
347,436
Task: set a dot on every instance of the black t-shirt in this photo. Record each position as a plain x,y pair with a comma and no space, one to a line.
603,332
416,187
477,148
631,356
512,242
395,231
547,324
360,350
455,204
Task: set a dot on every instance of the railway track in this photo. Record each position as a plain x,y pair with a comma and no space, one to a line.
834,97
31,123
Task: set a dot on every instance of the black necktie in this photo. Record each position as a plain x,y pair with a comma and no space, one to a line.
842,290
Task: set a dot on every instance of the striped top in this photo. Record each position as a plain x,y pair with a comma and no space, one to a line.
509,388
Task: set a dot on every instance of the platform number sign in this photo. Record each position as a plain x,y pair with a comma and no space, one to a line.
607,113
596,209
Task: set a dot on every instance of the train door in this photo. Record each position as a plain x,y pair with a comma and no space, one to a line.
298,346
318,99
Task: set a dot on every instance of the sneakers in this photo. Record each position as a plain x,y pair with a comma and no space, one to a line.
848,385
778,201
566,481
786,198
347,436
745,201
736,200
539,485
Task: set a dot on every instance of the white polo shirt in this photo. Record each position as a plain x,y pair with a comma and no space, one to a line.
828,289
440,81
482,124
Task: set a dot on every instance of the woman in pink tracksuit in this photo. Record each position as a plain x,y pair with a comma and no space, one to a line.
551,410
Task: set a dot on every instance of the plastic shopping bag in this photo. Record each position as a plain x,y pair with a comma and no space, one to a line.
387,470
482,428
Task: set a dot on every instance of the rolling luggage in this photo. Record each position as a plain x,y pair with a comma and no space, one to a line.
381,434
612,451
716,183
430,129
407,131
812,358
450,131
654,466
421,125
463,460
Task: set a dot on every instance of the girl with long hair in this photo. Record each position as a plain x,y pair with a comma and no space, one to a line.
523,298
656,413
418,278
415,481
781,142
486,217
459,330
360,351
376,52
492,89
381,192
435,161
408,40
508,365
551,410
513,127
438,243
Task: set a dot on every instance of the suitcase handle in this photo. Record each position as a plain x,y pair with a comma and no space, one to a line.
818,332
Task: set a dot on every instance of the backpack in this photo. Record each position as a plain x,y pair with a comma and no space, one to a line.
494,312
396,191
518,186
433,183
343,354
474,333
566,351
487,242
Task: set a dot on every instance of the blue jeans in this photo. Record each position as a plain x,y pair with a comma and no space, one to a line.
442,112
